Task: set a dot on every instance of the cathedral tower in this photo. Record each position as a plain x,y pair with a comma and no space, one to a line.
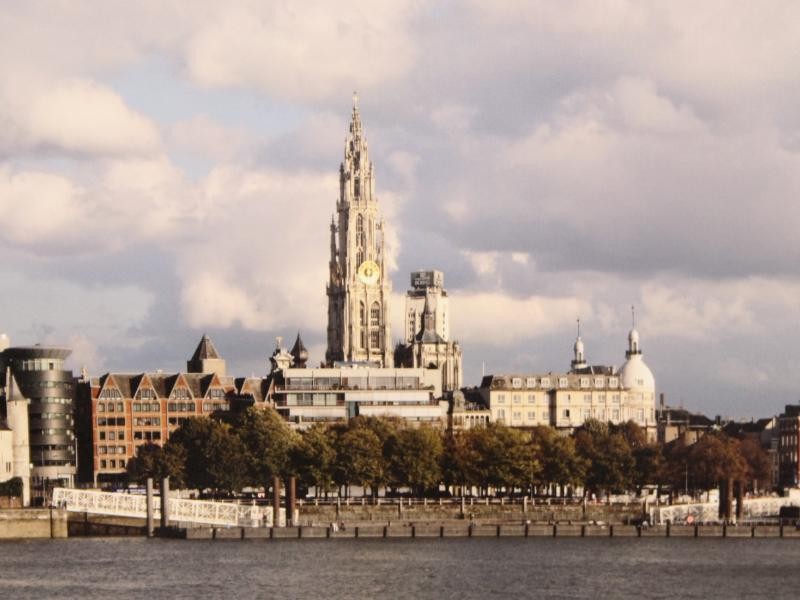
359,287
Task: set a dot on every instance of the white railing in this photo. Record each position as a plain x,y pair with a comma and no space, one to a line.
708,512
180,510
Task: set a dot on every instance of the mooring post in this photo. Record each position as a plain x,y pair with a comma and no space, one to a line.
276,501
149,507
165,502
291,501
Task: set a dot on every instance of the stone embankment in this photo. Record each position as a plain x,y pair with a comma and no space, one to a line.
355,512
26,523
463,530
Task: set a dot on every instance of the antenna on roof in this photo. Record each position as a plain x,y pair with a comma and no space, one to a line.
579,326
633,317
355,100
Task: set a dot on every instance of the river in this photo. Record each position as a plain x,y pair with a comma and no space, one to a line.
86,568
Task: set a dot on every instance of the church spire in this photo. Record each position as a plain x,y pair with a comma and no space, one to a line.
358,290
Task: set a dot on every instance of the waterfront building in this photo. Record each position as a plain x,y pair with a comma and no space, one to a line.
118,412
679,423
467,410
359,286
335,394
38,393
566,400
427,327
789,446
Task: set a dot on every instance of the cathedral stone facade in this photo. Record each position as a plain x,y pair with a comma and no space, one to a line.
359,286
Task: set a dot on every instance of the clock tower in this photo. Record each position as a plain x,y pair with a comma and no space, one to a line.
359,287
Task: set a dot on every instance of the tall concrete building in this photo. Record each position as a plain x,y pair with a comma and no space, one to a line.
359,286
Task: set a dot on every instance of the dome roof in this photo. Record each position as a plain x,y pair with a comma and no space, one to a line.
634,374
633,336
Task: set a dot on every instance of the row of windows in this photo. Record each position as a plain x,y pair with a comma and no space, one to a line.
111,435
110,407
112,464
150,394
150,436
111,421
563,382
147,421
40,364
111,449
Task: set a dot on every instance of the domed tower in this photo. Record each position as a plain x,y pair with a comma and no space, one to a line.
299,353
579,356
638,384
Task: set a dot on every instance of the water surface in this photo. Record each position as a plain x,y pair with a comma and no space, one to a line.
88,568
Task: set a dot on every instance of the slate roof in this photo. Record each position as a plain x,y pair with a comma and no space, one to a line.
205,350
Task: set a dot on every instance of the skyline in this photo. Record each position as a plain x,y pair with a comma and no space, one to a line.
166,172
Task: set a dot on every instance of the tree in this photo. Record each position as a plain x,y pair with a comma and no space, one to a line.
608,455
560,462
359,458
314,457
414,459
502,457
759,465
215,456
268,443
158,462
714,458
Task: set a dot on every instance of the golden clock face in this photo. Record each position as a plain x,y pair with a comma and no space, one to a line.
369,272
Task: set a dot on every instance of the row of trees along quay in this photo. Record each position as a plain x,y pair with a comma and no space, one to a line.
222,455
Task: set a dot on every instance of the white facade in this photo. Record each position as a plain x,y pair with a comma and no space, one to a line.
567,400
359,286
306,396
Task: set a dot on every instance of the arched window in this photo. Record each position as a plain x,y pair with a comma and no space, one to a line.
375,315
360,231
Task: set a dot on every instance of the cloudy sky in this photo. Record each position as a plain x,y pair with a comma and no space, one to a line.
166,171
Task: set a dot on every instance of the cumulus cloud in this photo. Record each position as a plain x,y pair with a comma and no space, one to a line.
74,117
496,319
304,54
555,160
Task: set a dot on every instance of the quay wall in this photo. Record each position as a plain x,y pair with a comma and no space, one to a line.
464,530
325,514
33,523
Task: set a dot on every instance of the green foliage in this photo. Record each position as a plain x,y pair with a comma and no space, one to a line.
560,462
154,461
12,488
314,458
414,457
359,458
610,462
215,456
268,442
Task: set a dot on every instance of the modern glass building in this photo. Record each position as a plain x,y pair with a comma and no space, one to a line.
42,379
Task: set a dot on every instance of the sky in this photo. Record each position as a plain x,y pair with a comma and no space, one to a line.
170,168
